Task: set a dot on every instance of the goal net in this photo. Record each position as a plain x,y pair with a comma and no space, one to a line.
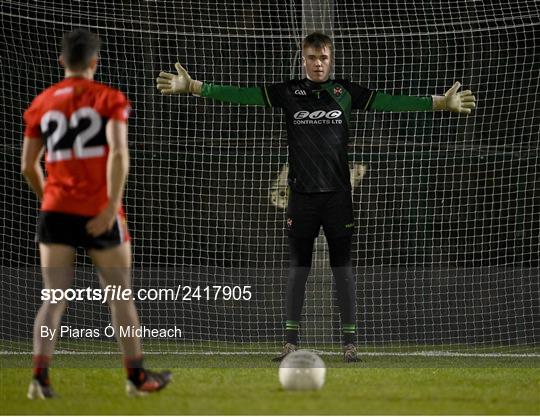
447,207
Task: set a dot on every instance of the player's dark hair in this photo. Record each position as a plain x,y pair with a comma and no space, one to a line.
317,40
78,48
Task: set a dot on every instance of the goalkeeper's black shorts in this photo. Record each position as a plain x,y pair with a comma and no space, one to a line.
70,229
306,213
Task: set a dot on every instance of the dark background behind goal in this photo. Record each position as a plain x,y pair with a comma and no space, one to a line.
448,212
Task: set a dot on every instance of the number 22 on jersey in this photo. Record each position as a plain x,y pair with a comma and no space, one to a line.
69,139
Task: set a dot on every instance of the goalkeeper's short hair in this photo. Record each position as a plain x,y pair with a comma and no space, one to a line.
317,40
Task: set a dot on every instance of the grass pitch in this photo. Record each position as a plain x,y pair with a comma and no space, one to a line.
248,385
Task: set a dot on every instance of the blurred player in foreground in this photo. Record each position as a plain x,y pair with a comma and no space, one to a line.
317,115
83,126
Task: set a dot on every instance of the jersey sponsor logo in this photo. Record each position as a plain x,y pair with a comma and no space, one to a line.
300,93
317,114
320,117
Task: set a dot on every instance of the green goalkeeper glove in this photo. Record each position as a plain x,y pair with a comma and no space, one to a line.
462,102
178,84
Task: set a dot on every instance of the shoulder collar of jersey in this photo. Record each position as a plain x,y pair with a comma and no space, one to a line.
75,78
317,86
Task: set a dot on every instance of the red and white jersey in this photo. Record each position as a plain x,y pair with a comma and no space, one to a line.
70,117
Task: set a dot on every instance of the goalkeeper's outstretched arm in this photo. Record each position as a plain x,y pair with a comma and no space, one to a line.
182,83
457,102
452,101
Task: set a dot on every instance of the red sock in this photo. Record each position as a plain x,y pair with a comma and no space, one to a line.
134,369
41,368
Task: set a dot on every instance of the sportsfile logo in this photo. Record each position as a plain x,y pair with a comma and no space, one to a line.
317,117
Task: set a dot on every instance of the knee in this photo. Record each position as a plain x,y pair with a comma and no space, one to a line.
340,252
301,252
340,260
53,310
120,305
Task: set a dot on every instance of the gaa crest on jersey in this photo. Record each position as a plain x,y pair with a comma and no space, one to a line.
338,90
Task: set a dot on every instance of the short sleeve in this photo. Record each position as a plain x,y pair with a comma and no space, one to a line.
31,119
361,96
275,94
119,107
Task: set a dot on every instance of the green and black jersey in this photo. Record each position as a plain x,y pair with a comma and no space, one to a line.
317,118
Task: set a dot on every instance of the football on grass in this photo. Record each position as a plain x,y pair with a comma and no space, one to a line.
302,371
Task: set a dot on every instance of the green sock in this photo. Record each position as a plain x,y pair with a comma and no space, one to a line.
349,333
291,332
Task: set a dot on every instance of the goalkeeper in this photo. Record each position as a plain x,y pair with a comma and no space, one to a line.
317,113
